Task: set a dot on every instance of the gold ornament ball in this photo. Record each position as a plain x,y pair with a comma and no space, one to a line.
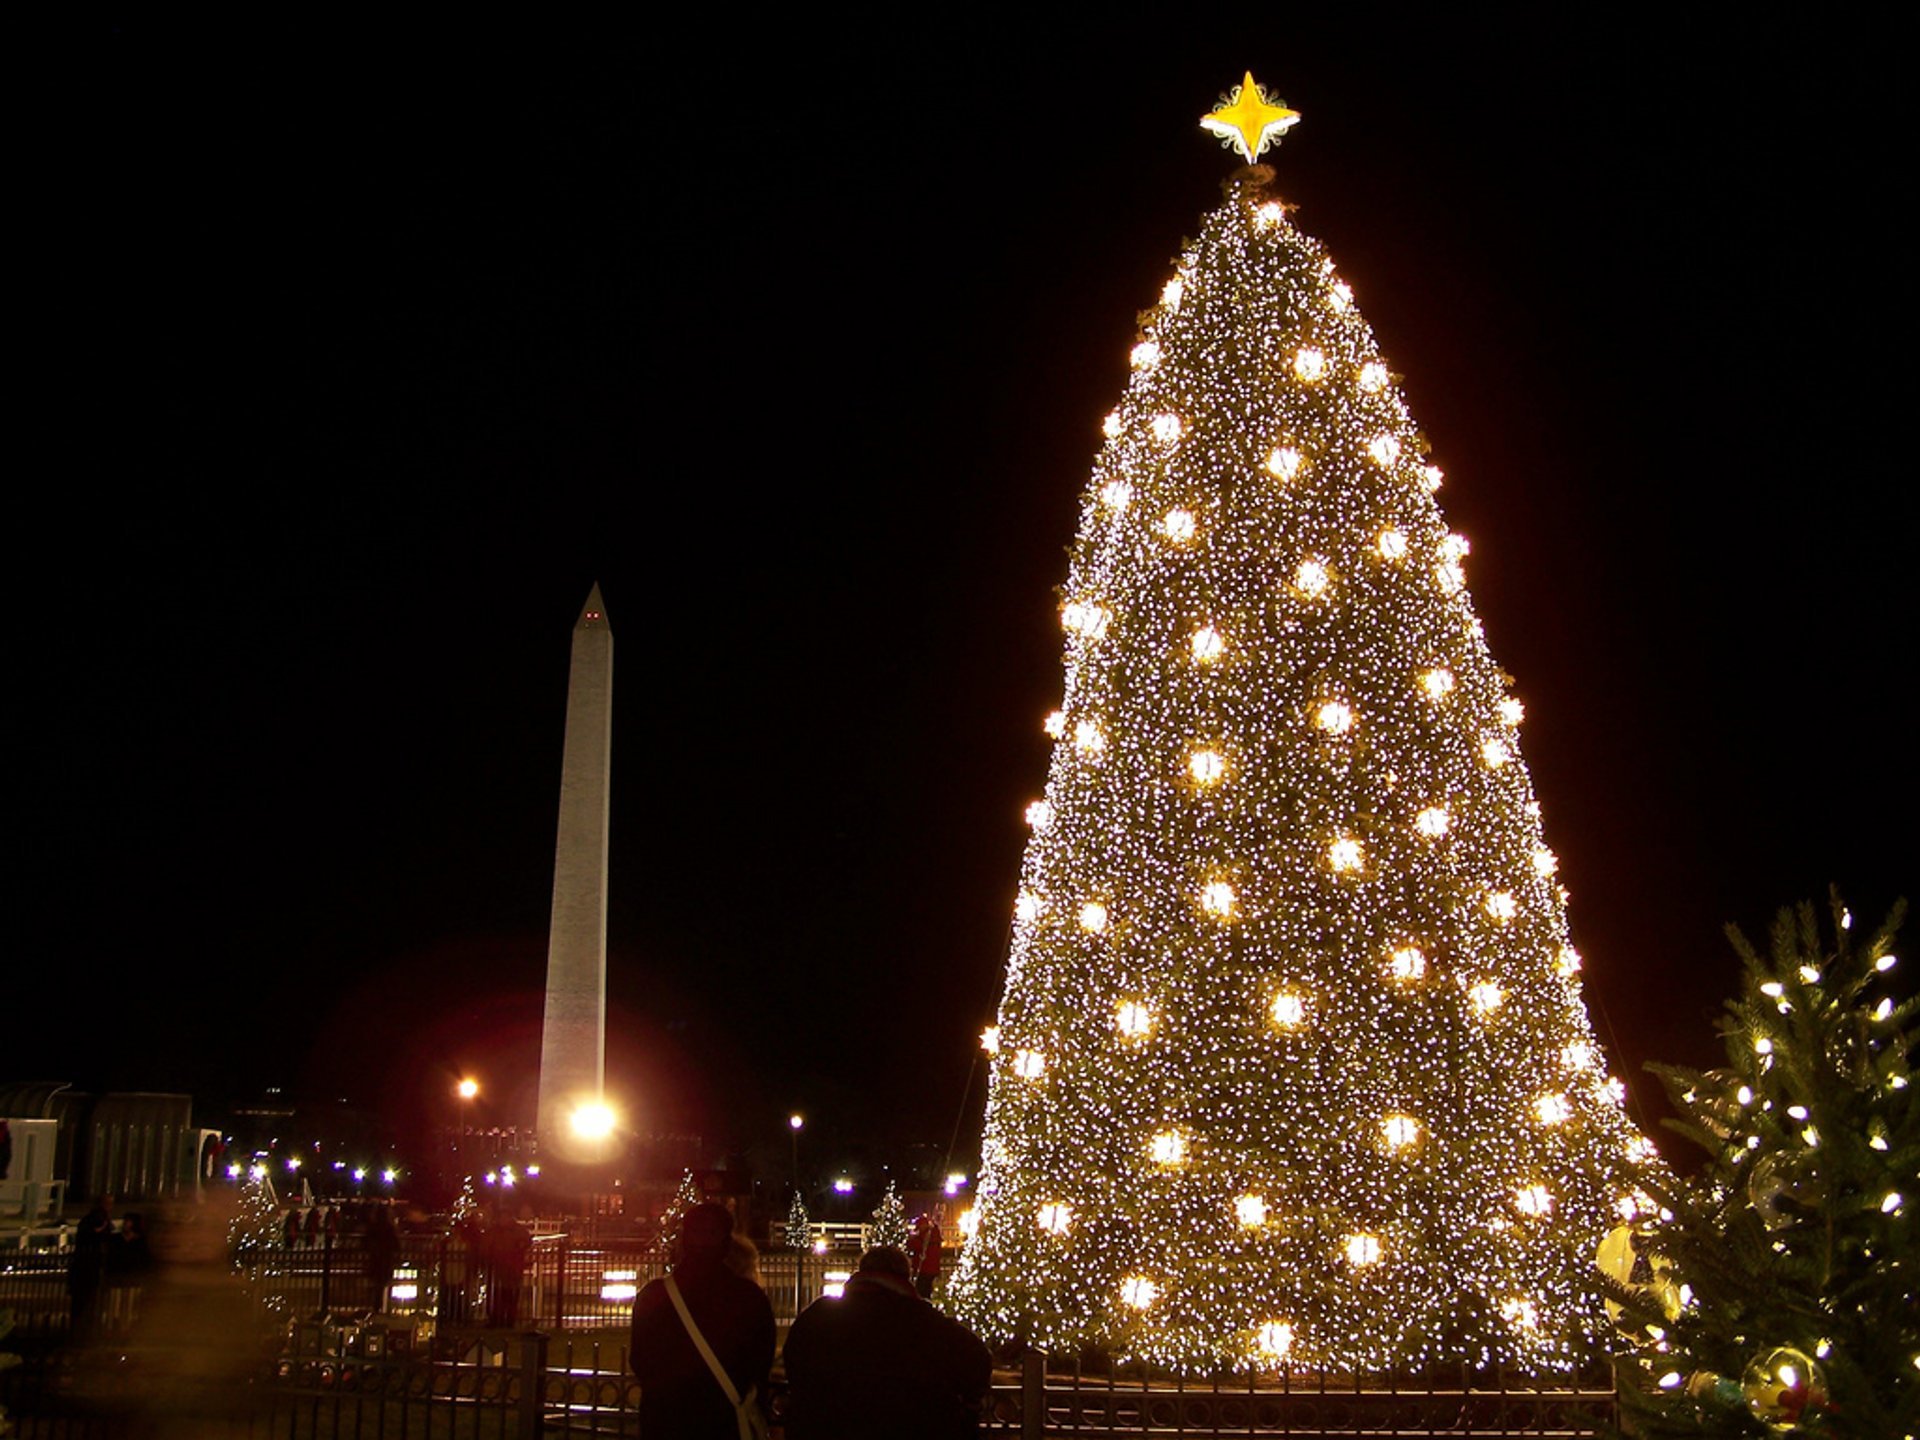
1782,1385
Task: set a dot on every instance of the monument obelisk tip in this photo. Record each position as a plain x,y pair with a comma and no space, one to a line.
594,612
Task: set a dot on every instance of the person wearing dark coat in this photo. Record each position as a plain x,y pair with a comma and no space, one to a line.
880,1363
87,1266
680,1397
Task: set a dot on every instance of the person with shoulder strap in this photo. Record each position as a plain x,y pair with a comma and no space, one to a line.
702,1341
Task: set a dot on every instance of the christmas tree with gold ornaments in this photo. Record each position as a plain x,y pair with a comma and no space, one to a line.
1292,1067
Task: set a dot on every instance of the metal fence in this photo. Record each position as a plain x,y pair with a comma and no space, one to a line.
429,1367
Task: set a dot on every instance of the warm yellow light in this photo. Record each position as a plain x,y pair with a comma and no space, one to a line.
1502,906
1171,292
1334,717
1116,495
1545,862
1450,577
1578,1056
1039,814
1139,1292
1340,297
1288,1010
1568,961
1431,476
1217,899
1055,724
1384,450
1269,215
1533,1200
1093,917
1145,355
1251,1211
1520,1312
1206,766
1309,364
1208,645
1346,855
1311,578
1400,1131
1494,752
1089,738
1132,1019
1284,463
1167,429
467,1089
1431,822
1029,1064
1086,617
1392,545
594,1120
1486,997
1437,682
1407,963
1455,545
1552,1109
1179,526
1114,426
1511,711
990,1039
1169,1148
1363,1249
1373,377
970,1222
1026,906
1055,1217
1275,1338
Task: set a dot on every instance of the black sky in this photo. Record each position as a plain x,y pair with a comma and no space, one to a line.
353,362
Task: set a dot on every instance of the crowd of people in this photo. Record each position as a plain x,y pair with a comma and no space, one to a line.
877,1362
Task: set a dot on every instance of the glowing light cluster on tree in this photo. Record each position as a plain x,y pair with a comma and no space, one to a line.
1291,1064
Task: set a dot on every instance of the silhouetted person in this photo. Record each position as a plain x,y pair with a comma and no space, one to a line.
382,1251
507,1244
87,1266
680,1395
880,1363
924,1249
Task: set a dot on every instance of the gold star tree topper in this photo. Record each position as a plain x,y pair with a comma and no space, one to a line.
1248,122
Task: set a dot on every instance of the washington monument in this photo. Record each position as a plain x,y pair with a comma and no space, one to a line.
573,1040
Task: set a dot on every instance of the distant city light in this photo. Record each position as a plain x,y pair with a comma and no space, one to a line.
954,1182
796,1121
359,1173
389,1175
233,1171
843,1186
533,1171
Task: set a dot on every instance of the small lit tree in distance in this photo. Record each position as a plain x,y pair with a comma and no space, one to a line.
685,1197
1291,1066
799,1231
889,1225
1796,1243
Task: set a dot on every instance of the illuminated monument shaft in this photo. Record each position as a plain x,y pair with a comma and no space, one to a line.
573,1039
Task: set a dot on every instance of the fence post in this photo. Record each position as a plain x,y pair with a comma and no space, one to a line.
326,1273
533,1383
560,1284
1033,1395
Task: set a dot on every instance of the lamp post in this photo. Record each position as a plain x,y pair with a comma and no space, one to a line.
795,1123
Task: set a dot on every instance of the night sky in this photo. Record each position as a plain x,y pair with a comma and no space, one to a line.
355,362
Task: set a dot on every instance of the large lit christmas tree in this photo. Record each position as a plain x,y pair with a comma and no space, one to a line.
1292,1064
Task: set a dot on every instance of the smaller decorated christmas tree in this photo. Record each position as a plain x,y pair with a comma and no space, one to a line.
256,1224
889,1225
799,1231
1781,1288
684,1199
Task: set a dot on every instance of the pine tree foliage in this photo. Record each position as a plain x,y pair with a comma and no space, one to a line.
799,1230
1799,1232
889,1225
1292,1064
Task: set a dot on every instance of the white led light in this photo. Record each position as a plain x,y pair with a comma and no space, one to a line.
1346,855
1407,963
1384,450
1179,526
1168,429
1502,906
1145,355
1400,1131
1373,377
1217,899
1093,917
1309,365
1288,1010
1334,717
1340,297
1251,1211
1055,724
1039,815
1431,822
1363,1249
1206,766
1284,462
1116,495
1392,545
1139,1292
1437,682
1169,1148
1311,578
1207,645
